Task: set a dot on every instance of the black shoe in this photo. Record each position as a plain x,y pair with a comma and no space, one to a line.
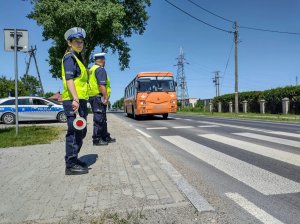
76,170
110,140
81,163
100,143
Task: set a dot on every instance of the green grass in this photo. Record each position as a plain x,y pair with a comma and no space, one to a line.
255,116
28,135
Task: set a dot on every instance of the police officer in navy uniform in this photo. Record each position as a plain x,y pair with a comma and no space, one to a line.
99,93
75,96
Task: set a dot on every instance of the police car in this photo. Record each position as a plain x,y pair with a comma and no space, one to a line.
31,108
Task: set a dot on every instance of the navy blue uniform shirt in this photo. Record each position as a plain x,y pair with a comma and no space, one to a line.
101,76
71,67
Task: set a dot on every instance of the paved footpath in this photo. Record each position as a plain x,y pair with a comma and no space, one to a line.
124,176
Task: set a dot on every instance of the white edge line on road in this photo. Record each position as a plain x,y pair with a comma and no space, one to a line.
157,128
199,202
178,127
252,209
143,133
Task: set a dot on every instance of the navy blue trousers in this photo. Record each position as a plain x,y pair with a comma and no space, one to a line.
99,119
74,138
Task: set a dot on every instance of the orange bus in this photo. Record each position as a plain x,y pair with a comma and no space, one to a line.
151,93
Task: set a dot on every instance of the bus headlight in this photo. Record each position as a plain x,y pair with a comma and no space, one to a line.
172,101
143,102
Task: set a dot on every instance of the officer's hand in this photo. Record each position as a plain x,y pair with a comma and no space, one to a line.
75,105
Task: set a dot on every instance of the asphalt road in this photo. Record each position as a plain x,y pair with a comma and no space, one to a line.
248,171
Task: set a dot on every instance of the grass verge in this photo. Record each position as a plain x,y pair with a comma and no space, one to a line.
28,135
253,116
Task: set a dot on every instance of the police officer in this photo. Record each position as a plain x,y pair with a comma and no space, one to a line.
99,93
75,95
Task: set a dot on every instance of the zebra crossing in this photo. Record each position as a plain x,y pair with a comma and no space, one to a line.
275,145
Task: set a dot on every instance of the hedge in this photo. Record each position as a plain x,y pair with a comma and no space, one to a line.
273,98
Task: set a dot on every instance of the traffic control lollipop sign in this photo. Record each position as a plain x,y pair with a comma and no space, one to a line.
79,123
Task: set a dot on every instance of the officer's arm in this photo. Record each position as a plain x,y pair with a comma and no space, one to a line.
102,89
72,89
69,65
101,77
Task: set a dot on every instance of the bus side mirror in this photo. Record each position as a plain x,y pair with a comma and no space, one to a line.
175,83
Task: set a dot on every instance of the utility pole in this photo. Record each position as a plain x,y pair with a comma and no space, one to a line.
32,54
216,80
181,89
236,88
296,80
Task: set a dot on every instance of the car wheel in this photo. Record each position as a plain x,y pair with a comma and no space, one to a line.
8,118
61,117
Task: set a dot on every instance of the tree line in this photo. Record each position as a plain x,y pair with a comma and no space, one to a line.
27,85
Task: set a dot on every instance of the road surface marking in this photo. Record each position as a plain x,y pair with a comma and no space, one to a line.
232,126
252,209
143,133
277,154
285,134
270,139
157,128
187,119
178,127
259,179
195,198
208,126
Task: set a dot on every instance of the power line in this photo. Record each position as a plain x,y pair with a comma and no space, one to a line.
227,31
267,30
228,20
244,27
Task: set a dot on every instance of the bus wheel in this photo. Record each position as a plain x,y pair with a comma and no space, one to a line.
135,117
165,116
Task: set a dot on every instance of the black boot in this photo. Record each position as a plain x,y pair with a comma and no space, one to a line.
100,142
76,170
110,139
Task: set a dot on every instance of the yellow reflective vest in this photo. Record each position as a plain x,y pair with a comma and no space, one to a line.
80,82
94,87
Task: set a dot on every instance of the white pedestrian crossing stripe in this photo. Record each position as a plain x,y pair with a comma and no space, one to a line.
259,179
295,135
183,127
271,139
251,208
157,128
287,157
208,126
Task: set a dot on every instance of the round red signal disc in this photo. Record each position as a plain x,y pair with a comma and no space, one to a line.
79,123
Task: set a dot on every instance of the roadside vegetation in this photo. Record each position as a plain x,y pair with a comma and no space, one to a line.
241,115
28,136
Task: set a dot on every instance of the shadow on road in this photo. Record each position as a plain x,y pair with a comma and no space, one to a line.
89,159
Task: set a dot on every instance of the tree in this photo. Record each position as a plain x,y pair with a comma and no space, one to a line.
26,86
48,94
106,22
31,85
119,103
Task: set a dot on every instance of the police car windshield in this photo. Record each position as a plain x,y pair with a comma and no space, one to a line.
156,84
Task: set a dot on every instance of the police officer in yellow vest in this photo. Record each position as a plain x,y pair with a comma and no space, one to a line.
75,96
99,93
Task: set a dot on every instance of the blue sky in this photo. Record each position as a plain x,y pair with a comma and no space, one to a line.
266,60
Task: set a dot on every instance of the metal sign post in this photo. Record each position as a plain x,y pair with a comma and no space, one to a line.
16,40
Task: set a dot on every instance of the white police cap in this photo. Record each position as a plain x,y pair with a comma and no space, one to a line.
75,32
99,56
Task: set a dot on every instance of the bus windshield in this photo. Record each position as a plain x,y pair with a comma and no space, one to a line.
156,84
